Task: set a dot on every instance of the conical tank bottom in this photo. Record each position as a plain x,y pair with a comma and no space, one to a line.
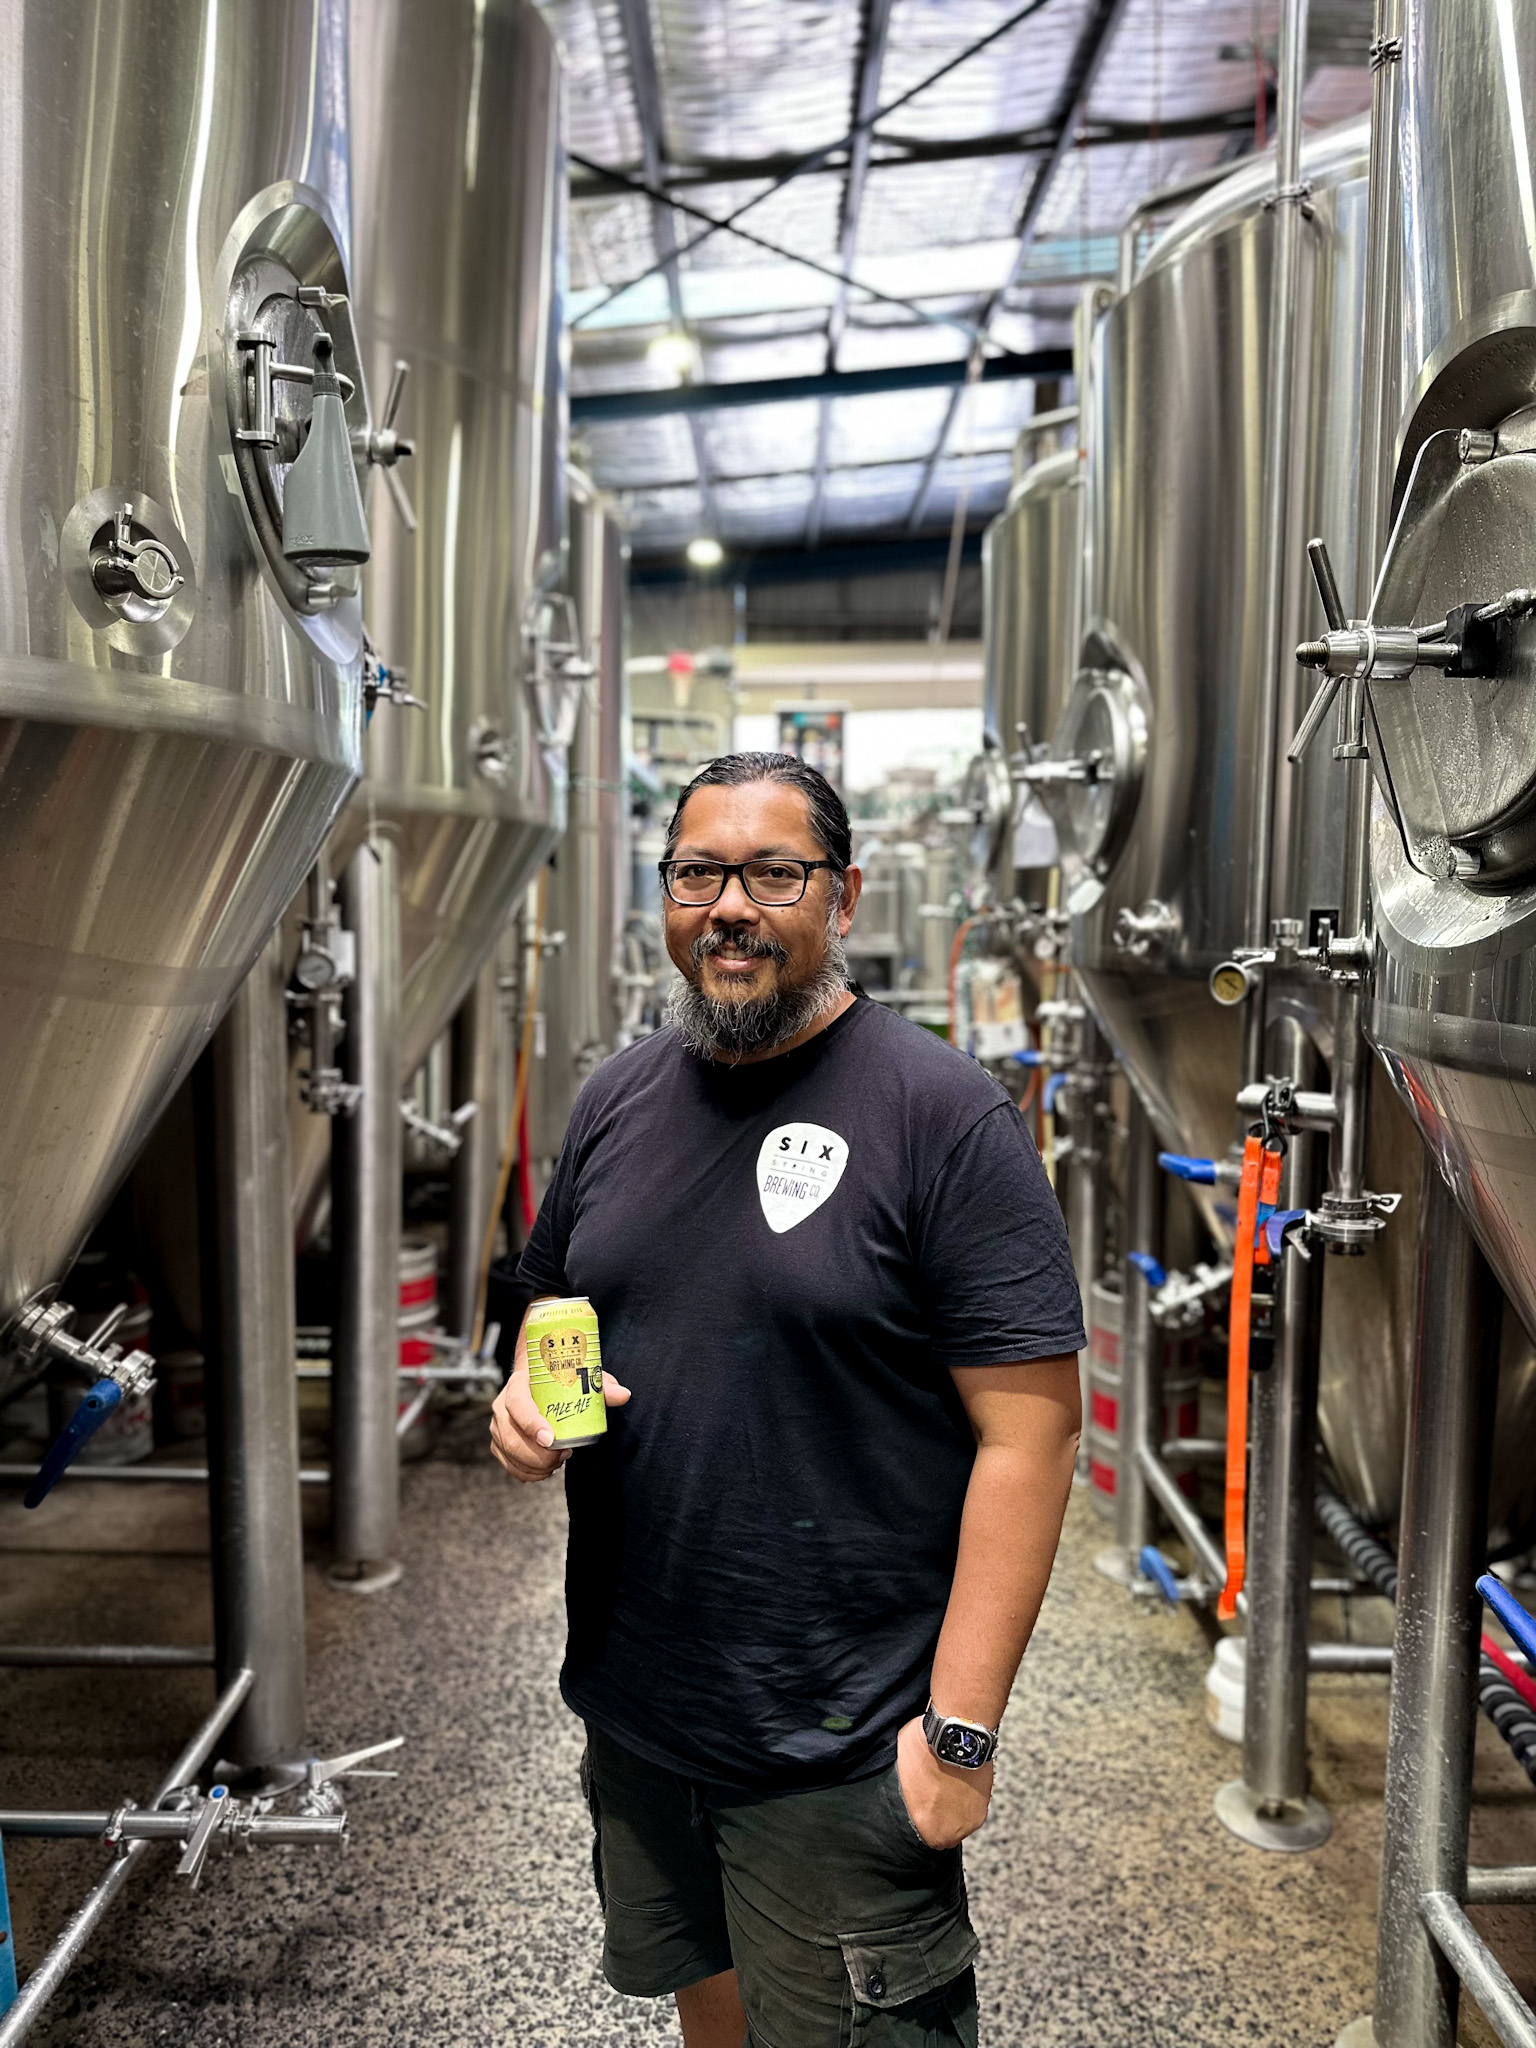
140,873
1181,1052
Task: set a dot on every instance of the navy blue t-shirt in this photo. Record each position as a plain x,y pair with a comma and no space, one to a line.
785,1260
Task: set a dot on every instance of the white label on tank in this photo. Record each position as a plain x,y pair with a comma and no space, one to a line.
798,1167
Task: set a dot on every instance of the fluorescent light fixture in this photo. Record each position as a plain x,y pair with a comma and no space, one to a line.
673,355
705,552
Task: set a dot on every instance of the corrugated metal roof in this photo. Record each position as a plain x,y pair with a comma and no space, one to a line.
745,91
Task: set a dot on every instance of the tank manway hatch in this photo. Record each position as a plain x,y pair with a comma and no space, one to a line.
1449,653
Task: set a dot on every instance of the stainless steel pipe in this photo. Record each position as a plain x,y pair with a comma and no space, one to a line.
1160,1481
16,2024
253,1423
1087,1177
1479,1969
1140,1421
1353,1059
1275,525
473,1183
1269,1806
1434,1678
366,1165
1498,1885
114,1656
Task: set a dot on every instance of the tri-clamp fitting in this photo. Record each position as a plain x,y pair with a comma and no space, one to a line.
1338,1223
39,1332
1147,930
128,569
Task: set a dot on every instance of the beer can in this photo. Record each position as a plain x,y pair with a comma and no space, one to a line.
565,1370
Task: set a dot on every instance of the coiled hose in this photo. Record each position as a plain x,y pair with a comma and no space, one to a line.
1499,1697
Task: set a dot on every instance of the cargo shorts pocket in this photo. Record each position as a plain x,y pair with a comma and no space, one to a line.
588,1779
912,1984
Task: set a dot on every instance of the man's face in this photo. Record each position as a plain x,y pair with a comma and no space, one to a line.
753,821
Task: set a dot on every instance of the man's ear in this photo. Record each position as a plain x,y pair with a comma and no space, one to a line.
853,885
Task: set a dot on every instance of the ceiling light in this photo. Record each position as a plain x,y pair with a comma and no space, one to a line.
674,355
705,552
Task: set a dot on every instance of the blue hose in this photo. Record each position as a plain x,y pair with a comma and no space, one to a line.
7,1944
73,1438
1186,1168
1155,1566
1521,1625
1154,1274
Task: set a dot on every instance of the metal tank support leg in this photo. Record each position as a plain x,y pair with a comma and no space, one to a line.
1269,1806
1085,1184
1434,1675
258,1546
1141,1393
366,1169
473,1187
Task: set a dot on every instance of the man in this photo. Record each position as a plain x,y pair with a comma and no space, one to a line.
840,1322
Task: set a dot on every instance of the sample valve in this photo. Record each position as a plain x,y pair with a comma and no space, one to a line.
446,1138
118,1376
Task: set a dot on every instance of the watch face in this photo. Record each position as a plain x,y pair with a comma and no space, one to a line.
958,1744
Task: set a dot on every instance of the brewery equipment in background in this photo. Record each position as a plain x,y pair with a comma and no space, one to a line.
581,1002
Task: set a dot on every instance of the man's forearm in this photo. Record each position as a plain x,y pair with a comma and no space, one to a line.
1008,1535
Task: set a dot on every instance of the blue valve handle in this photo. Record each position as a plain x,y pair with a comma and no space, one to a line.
1522,1626
73,1438
1053,1088
1185,1168
1030,1057
1156,1567
1277,1225
1154,1274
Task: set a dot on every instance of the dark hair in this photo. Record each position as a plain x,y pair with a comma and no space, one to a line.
829,818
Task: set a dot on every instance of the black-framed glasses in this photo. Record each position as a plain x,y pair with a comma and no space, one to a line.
772,883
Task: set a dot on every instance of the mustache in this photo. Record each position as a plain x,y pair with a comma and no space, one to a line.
741,939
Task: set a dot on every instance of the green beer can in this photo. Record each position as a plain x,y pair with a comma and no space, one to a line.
565,1370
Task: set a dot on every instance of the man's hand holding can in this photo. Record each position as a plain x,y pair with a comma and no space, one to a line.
523,1440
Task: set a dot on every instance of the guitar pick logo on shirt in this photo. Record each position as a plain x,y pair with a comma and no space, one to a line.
798,1168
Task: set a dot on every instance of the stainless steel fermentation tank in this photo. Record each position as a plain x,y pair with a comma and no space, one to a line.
460,223
458,181
587,901
1453,856
1446,667
1031,565
1158,847
179,697
459,216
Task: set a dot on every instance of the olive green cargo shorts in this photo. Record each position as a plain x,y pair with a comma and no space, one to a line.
844,1928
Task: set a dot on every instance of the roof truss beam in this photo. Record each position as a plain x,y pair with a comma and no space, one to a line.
889,152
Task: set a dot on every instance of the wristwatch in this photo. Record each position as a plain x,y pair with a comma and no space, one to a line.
965,1743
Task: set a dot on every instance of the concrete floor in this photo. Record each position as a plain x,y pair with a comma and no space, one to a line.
1112,1906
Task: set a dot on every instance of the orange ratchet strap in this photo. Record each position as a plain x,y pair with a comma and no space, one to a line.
1258,1192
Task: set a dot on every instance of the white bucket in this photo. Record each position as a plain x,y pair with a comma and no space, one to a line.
1225,1685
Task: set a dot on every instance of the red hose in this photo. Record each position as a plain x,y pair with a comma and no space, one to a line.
1521,1680
525,1176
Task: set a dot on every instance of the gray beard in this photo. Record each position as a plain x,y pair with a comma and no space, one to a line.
726,1031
